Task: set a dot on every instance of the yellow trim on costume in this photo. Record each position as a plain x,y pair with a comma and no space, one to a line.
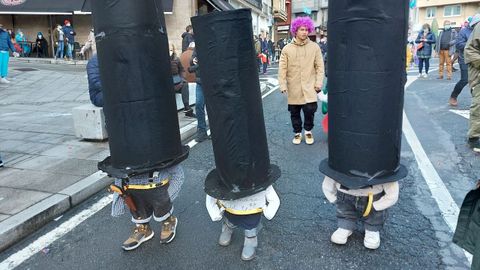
240,212
369,205
148,186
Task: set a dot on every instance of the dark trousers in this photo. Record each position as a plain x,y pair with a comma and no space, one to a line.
246,222
309,110
185,91
351,208
463,81
420,64
150,202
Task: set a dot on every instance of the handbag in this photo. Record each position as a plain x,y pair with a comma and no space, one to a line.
177,82
420,46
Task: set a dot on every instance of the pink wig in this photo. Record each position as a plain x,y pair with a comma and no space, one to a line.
302,21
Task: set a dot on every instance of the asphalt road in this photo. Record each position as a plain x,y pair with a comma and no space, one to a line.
415,235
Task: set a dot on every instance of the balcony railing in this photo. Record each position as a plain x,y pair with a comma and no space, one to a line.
256,3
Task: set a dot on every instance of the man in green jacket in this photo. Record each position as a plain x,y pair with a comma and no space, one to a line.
472,59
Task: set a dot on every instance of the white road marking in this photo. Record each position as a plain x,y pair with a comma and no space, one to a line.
447,206
47,239
463,113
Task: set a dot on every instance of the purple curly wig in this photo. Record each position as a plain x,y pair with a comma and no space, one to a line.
302,21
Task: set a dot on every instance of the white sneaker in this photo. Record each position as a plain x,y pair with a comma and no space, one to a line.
425,75
371,240
3,80
340,236
420,75
297,139
309,138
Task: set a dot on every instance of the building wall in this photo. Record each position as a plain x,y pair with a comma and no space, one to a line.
429,3
467,10
178,21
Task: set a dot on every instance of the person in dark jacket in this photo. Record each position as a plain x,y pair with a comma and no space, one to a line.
94,82
179,81
445,48
69,38
41,45
425,41
5,45
187,38
264,50
199,101
460,43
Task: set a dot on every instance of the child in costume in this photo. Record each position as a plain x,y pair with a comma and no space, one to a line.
149,195
367,205
245,213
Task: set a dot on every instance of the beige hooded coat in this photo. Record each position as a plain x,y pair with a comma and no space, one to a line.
301,71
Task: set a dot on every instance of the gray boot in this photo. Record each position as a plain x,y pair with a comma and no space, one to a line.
226,235
249,245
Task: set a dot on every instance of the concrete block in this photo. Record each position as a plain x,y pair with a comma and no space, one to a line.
89,122
178,96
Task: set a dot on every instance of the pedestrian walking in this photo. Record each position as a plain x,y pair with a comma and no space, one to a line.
258,51
69,38
472,59
187,37
271,50
199,101
179,82
460,43
185,58
22,41
301,74
264,52
445,48
41,46
425,41
94,82
59,39
5,47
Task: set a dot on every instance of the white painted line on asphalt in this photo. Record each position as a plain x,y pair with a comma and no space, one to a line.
447,206
463,113
47,239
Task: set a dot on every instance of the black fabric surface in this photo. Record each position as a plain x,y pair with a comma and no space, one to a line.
225,50
44,6
139,99
366,68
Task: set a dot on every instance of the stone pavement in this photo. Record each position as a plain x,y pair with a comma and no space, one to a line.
47,169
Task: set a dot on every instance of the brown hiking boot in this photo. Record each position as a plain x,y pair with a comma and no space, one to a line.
453,101
169,227
141,233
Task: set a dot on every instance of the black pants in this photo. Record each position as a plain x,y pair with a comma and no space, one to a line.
420,64
246,222
150,202
185,91
309,110
463,81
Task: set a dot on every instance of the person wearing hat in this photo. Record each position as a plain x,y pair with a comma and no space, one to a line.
300,75
240,188
69,38
5,46
472,59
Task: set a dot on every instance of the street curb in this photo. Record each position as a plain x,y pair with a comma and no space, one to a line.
48,61
20,225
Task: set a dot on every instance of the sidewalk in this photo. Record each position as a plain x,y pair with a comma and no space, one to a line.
47,61
47,169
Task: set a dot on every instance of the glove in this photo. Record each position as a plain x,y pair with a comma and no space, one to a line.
215,212
270,209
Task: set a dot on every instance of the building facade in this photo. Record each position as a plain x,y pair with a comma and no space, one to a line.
315,9
282,15
455,11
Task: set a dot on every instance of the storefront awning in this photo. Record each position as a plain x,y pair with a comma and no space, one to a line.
220,5
56,7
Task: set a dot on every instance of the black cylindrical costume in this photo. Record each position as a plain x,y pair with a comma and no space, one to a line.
140,107
226,54
366,68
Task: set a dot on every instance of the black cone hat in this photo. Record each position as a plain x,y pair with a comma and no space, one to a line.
226,54
139,100
366,68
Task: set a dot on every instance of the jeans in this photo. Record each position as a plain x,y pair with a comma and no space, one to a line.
463,81
60,49
246,222
185,91
200,109
420,64
69,50
151,202
350,209
4,58
309,110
